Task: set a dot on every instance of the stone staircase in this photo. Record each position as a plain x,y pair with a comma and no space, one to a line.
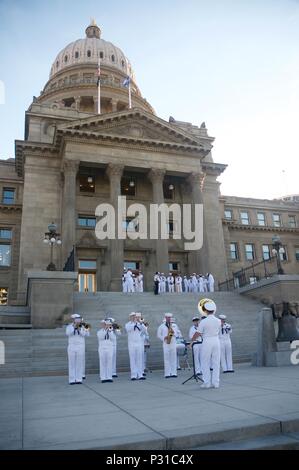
43,352
14,317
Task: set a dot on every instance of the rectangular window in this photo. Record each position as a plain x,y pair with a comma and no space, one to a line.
131,224
292,221
87,222
87,183
234,251
133,265
228,214
128,186
168,190
261,219
244,218
87,264
297,254
276,220
8,196
3,295
266,252
174,266
5,255
249,251
6,233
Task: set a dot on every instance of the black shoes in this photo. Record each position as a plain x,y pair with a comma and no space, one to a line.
133,378
114,375
106,381
72,383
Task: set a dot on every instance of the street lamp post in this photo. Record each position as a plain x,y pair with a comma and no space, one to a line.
52,238
277,250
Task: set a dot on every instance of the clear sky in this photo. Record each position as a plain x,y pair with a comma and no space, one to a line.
231,63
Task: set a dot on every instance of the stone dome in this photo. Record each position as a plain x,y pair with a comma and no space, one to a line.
89,51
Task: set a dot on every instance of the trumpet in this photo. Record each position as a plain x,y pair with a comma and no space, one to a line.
116,326
85,325
144,322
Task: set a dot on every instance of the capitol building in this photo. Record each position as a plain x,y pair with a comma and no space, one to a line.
72,159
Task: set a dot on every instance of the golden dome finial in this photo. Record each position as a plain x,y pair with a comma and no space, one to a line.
93,22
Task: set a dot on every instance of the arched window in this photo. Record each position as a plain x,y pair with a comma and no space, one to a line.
88,53
76,55
101,55
65,58
57,63
113,58
122,63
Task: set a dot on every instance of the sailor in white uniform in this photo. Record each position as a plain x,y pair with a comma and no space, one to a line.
76,349
170,282
226,345
178,284
210,350
136,331
194,336
117,333
211,282
167,333
106,345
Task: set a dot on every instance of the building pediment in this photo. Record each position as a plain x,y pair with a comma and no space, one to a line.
137,126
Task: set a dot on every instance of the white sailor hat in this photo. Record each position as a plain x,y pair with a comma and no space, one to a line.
110,319
107,321
168,315
210,306
76,315
138,314
222,317
195,318
132,314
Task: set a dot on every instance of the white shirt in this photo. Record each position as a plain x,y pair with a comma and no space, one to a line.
163,332
76,337
210,326
105,336
135,332
225,331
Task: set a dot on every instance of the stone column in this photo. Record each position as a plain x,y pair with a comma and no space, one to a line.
114,172
199,259
77,102
156,177
68,235
114,105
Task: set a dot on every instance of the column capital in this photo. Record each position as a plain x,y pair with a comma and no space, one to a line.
114,170
71,166
195,178
156,175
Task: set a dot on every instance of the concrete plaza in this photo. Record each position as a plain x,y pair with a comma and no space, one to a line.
254,408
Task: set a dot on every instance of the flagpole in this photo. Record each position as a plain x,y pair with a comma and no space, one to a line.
99,87
130,97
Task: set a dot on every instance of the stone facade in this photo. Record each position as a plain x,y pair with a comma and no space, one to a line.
73,159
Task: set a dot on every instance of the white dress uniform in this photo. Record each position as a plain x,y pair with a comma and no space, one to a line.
106,339
194,283
140,282
135,332
186,284
124,282
201,284
210,350
116,334
169,350
226,347
76,352
170,282
130,281
178,284
196,349
162,284
211,282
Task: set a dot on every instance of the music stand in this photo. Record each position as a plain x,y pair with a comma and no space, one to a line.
194,376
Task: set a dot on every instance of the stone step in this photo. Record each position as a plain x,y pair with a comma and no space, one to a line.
272,442
15,326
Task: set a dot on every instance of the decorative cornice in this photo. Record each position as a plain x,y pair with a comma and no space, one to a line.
214,169
268,228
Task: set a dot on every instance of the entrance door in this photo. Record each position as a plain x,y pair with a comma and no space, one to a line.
87,282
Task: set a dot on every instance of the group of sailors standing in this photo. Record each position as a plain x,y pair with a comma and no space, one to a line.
209,335
196,283
132,282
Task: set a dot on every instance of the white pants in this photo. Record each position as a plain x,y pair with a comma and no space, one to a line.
136,351
171,288
226,355
196,357
140,287
130,287
210,357
105,357
178,288
211,286
125,287
76,355
170,359
114,359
